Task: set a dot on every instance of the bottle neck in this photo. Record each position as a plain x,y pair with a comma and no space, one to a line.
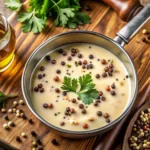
5,31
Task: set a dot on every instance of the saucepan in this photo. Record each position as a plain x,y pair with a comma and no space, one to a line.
115,46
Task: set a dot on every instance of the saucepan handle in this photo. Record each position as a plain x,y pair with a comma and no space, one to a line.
131,28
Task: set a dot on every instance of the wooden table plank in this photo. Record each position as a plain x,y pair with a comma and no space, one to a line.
105,21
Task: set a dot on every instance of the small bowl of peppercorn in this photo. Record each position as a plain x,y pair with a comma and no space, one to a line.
137,135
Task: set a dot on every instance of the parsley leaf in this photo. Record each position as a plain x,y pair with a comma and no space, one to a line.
4,97
82,16
89,96
86,82
70,84
86,93
63,16
30,22
66,13
13,4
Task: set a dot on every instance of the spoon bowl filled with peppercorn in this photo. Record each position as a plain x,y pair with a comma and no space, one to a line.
80,83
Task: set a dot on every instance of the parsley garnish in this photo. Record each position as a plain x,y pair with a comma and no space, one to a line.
4,97
30,22
86,91
13,4
66,13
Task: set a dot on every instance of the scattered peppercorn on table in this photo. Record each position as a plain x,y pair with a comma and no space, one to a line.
18,126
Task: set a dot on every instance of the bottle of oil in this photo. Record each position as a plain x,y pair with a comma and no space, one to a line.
7,44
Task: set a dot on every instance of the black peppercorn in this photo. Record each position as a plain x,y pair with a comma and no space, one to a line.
69,58
91,56
64,93
42,68
98,97
60,51
53,61
81,106
47,58
111,70
127,76
104,74
98,101
111,66
100,93
83,111
96,104
99,113
54,142
6,117
73,50
113,93
58,71
106,69
40,76
79,55
97,76
66,113
107,120
73,54
144,39
40,148
18,139
64,53
38,141
103,98
113,86
33,133
80,62
42,90
73,100
40,85
62,123
63,63
83,67
36,89
31,121
109,73
57,90
90,66
68,109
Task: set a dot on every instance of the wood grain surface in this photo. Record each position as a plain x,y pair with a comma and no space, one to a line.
104,21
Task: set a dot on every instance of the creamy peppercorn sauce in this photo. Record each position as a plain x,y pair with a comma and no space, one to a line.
110,108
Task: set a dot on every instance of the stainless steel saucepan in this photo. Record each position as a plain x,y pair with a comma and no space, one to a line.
114,46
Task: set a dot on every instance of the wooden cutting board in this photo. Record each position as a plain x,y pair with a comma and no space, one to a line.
104,21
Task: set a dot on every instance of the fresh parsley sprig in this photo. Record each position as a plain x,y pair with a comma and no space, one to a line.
66,13
4,97
87,92
14,5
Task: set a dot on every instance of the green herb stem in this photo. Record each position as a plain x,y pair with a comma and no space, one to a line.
55,4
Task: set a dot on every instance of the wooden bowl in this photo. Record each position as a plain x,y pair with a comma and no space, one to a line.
130,126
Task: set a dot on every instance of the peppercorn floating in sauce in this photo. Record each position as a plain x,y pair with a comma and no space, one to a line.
84,87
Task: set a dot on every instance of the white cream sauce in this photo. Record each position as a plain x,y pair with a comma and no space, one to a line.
113,105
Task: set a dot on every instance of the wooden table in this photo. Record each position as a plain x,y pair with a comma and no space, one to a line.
104,21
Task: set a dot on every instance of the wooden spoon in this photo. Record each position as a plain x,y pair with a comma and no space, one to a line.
130,126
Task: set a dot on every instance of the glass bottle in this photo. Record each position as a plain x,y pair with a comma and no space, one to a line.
7,44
